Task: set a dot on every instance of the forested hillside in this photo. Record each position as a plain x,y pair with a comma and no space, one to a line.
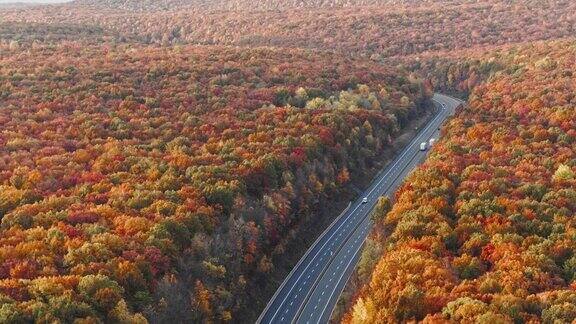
169,160
130,173
16,34
389,28
484,231
245,5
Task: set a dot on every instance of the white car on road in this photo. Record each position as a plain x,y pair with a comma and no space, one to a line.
364,200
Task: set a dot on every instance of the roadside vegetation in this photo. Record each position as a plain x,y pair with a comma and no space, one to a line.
159,159
484,231
135,173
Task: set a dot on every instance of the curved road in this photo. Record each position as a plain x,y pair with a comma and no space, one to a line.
311,290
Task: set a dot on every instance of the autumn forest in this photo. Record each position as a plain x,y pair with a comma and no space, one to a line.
170,161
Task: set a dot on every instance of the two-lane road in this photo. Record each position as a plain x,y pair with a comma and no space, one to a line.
311,290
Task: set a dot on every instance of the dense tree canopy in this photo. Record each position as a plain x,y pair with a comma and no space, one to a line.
129,171
374,28
484,231
157,158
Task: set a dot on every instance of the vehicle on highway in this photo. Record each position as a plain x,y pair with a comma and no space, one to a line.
311,290
431,142
423,146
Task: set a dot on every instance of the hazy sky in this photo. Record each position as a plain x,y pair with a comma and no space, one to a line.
34,1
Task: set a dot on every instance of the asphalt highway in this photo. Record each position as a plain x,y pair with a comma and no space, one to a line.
311,290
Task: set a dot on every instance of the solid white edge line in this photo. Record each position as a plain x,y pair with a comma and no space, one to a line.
407,149
288,277
279,289
359,248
